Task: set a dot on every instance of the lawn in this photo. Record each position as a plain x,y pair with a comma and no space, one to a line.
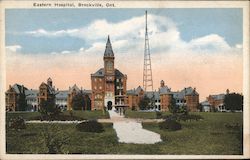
145,114
208,136
80,115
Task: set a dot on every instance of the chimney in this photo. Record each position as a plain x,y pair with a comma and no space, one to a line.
9,86
22,89
162,83
227,91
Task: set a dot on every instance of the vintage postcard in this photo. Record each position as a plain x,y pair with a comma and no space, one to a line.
124,79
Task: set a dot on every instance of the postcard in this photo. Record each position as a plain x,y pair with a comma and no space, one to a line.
124,79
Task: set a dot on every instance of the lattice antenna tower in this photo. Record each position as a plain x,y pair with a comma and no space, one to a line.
147,70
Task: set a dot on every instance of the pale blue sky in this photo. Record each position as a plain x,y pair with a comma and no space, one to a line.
191,23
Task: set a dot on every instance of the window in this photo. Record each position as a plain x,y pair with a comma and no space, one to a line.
100,87
100,79
117,80
95,87
95,79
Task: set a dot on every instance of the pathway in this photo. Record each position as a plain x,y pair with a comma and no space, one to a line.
131,131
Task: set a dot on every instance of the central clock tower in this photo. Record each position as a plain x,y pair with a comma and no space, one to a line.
109,75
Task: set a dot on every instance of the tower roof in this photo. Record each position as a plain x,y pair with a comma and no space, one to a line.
49,79
108,50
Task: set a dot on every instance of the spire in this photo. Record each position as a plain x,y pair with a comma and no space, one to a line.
108,50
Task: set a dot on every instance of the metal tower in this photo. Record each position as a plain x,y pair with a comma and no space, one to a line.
147,70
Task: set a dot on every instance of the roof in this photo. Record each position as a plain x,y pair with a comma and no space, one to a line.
178,95
189,91
18,88
218,96
205,103
118,73
31,93
49,79
87,91
151,94
108,50
138,90
74,87
50,88
131,92
62,94
100,73
164,90
135,91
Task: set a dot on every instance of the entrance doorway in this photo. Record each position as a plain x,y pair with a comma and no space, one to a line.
109,105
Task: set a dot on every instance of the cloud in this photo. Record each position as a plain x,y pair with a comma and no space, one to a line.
128,36
209,63
13,48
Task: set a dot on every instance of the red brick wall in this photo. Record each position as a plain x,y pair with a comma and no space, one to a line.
165,101
192,102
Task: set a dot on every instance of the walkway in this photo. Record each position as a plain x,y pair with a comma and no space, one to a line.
131,131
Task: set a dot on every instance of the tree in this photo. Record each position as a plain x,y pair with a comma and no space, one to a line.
144,103
175,109
78,102
48,108
87,104
22,103
81,101
172,106
233,101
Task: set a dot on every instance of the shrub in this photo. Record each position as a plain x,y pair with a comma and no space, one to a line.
190,117
170,124
90,126
158,115
54,140
133,108
183,117
17,123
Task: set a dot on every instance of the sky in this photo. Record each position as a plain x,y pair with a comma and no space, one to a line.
201,48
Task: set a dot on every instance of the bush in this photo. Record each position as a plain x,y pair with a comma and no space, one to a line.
90,126
54,140
170,124
158,115
190,117
17,123
134,108
183,117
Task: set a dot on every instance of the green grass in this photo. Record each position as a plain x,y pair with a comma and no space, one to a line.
143,115
24,115
208,136
98,114
90,115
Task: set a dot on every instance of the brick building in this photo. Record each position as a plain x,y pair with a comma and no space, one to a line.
108,84
13,95
217,101
163,97
134,96
46,92
188,97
